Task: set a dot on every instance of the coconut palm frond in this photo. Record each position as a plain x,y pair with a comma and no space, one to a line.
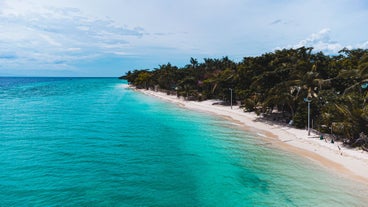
343,110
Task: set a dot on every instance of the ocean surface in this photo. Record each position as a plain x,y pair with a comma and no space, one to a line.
94,142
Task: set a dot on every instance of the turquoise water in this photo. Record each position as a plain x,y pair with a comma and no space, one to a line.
93,142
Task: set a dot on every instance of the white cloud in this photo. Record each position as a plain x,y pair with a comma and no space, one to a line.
363,45
74,49
50,40
56,33
321,41
44,36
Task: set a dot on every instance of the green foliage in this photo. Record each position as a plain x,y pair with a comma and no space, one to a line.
278,81
300,119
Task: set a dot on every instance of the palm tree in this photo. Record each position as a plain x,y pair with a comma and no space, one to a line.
337,86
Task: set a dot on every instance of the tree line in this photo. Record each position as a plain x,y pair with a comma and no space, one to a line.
278,84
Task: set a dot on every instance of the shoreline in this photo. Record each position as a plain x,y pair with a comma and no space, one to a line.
343,161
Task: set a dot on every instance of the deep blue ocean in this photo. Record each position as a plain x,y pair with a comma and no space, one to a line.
95,142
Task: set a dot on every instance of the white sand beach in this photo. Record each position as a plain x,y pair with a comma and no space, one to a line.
350,163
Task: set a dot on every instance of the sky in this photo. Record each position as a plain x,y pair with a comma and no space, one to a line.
106,38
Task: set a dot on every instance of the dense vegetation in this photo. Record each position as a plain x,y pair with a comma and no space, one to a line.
278,84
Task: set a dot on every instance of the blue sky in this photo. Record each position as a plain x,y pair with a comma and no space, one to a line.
110,37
